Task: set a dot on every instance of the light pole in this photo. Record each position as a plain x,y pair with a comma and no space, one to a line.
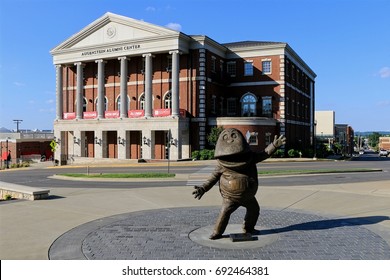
6,147
17,124
315,140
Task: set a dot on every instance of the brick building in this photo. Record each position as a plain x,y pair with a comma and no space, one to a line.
128,89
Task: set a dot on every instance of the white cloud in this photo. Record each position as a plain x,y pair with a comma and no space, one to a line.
19,84
150,9
174,26
384,103
49,110
384,72
50,101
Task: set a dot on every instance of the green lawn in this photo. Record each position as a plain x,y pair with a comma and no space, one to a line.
314,171
119,175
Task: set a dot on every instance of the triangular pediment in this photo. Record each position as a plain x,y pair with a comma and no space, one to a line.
112,28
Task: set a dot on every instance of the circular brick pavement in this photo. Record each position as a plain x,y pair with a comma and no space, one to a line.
165,234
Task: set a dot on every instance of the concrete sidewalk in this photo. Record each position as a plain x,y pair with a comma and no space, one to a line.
29,228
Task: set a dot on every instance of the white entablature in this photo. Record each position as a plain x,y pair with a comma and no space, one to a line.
113,35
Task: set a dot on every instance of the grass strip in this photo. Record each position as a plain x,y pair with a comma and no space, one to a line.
314,171
119,175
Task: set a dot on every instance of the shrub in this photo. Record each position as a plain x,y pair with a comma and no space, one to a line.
293,153
204,154
278,154
195,155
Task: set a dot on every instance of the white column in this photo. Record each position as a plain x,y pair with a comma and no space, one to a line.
59,92
176,145
98,144
123,90
101,90
123,144
147,143
79,90
148,85
76,146
175,83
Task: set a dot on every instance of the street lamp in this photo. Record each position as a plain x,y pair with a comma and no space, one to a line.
6,147
315,140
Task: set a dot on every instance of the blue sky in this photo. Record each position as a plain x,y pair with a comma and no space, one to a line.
346,43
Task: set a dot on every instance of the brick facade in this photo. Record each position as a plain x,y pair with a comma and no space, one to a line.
261,88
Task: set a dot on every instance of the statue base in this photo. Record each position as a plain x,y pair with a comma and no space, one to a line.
241,237
239,241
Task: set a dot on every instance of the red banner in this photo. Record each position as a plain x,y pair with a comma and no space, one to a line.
111,114
89,115
136,113
162,112
69,116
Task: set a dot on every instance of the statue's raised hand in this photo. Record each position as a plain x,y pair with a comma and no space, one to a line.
279,141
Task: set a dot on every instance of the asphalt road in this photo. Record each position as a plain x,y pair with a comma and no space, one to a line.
41,177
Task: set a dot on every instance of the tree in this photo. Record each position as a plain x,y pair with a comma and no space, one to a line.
214,134
373,139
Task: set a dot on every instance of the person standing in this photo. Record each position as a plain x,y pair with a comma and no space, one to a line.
8,158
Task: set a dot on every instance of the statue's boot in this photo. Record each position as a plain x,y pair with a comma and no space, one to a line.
228,207
251,216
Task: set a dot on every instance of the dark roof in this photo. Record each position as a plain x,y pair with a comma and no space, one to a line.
250,43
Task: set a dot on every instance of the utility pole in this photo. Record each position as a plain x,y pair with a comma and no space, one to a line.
17,124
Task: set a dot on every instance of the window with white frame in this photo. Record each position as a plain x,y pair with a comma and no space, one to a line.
85,102
268,138
266,66
248,105
252,138
105,103
168,100
118,102
231,106
248,68
231,68
267,106
142,102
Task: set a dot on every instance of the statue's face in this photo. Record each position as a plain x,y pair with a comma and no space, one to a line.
230,142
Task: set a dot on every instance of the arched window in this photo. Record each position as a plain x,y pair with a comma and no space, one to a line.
142,102
118,103
248,105
85,102
105,103
168,100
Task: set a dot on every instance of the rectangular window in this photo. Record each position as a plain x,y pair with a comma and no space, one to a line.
213,104
266,66
287,68
267,138
248,68
231,68
231,106
169,63
267,106
213,64
253,139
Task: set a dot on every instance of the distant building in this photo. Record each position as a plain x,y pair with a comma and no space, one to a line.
325,126
344,135
127,89
384,143
25,145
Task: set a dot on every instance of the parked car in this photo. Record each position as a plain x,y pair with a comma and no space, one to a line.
383,153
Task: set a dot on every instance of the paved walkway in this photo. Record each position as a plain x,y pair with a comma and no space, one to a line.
349,221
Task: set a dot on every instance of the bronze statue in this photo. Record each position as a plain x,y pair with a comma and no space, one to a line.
237,175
